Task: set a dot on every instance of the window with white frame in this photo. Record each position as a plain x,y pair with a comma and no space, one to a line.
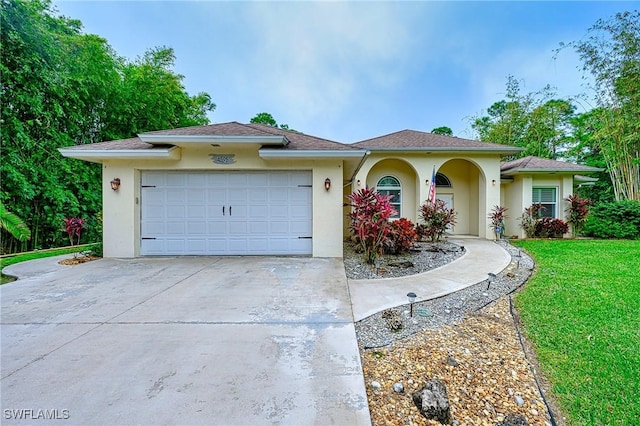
548,197
389,185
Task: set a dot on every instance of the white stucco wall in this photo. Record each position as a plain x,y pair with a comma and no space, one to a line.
519,196
121,209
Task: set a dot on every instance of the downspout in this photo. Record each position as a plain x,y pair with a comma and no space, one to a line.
355,172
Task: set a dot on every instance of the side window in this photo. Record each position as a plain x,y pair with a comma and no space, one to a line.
548,198
389,185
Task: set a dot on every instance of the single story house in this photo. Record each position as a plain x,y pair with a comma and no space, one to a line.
252,189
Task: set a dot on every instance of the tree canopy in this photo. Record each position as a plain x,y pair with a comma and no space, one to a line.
61,87
443,130
267,119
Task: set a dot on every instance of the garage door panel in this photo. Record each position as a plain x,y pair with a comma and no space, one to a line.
175,179
259,227
237,228
183,212
175,212
175,196
278,212
197,246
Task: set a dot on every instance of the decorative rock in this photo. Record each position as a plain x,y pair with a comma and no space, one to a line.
513,420
376,385
432,401
398,387
452,361
519,401
410,381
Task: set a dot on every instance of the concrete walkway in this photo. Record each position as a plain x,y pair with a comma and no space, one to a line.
481,257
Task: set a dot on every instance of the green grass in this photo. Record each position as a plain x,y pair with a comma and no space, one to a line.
581,311
6,261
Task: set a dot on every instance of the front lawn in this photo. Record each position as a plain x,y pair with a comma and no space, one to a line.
581,311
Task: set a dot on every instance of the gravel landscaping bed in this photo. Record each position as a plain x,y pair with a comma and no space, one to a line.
467,340
426,256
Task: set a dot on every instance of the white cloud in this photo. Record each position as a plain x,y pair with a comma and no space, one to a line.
315,58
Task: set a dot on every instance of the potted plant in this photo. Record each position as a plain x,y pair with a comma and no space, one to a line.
497,217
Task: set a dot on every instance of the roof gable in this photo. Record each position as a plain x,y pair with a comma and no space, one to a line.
533,164
412,140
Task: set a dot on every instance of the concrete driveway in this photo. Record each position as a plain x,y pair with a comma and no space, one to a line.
193,340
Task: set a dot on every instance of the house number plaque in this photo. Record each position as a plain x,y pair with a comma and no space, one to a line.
223,158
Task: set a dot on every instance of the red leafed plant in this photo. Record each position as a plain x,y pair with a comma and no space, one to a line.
577,211
73,227
437,217
370,221
403,235
548,227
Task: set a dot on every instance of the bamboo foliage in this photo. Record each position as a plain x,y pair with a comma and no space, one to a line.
611,53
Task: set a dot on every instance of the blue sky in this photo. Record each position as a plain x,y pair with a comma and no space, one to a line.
349,71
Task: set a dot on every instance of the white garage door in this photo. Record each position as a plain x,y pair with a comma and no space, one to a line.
226,213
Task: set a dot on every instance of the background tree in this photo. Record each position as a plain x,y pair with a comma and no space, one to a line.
611,54
536,121
442,130
267,119
59,88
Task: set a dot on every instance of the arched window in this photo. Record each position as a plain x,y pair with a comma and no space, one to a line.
442,181
389,185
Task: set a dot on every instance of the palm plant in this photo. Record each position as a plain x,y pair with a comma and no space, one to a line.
11,223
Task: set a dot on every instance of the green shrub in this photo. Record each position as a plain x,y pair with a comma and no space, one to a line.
620,219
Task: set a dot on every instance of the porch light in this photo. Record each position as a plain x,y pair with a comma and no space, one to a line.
412,298
115,184
491,278
493,182
358,182
327,184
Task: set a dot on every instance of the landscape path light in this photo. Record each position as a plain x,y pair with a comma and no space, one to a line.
491,278
412,298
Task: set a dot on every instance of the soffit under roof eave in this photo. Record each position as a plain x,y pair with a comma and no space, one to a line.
276,140
307,153
95,155
504,151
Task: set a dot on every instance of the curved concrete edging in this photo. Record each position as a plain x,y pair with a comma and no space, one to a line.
481,257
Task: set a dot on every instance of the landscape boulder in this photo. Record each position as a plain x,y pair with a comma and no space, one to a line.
432,401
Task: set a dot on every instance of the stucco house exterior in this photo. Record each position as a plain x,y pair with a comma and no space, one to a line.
251,189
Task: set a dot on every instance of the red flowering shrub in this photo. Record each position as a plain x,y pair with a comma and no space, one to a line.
73,227
577,211
437,217
549,228
402,236
370,221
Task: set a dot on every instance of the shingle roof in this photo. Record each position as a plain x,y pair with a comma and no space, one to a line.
537,164
415,140
297,141
131,143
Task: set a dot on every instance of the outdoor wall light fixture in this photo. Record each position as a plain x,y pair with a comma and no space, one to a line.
115,184
491,278
412,298
358,182
493,182
327,184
